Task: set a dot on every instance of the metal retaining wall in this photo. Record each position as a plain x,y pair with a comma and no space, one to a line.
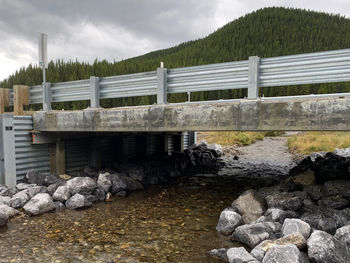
76,155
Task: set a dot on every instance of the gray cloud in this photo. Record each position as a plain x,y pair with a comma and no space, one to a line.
89,29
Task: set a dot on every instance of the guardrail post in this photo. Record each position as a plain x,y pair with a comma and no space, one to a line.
47,96
94,92
9,155
161,85
253,77
20,98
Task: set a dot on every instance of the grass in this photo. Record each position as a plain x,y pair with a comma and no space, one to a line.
234,138
309,142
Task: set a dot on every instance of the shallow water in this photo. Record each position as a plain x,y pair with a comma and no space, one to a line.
159,224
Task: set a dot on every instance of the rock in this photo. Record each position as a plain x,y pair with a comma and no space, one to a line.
5,200
285,254
335,202
77,201
216,147
81,185
254,234
39,204
336,188
296,239
279,215
314,191
104,181
32,191
239,255
289,185
284,200
59,206
250,205
35,177
345,152
24,186
3,218
19,199
133,169
325,219
91,198
343,234
9,211
62,194
323,247
9,192
90,172
54,179
220,254
51,189
122,182
100,194
228,221
293,225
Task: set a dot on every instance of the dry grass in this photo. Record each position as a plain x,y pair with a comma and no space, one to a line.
233,138
309,142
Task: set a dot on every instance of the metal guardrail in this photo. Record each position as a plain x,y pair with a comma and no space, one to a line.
252,74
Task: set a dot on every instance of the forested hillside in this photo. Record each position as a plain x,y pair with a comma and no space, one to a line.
267,32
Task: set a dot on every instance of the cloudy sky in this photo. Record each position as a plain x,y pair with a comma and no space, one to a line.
119,29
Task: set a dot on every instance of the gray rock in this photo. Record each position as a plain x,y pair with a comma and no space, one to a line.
217,148
335,202
220,254
250,205
343,234
104,181
314,191
62,194
284,200
77,201
279,215
228,221
122,182
35,177
91,198
323,247
39,204
344,152
325,219
54,179
51,189
100,194
20,199
81,185
254,234
90,172
32,191
336,187
5,191
239,255
3,219
285,254
292,225
134,170
59,206
24,186
5,200
9,211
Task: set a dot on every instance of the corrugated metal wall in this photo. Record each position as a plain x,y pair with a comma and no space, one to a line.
28,156
77,155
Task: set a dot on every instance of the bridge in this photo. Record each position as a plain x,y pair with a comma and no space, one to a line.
65,141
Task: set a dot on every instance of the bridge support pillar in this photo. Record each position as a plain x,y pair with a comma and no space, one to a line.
57,158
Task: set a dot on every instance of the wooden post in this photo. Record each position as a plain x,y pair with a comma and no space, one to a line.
4,99
20,98
57,158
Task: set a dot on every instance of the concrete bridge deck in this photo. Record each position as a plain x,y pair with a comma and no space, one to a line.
300,113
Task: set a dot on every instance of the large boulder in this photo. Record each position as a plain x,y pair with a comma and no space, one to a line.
240,255
5,200
3,218
122,182
20,199
285,254
81,185
5,191
325,219
220,254
323,247
292,225
36,177
77,201
9,211
228,221
62,194
250,205
279,215
104,181
39,204
296,239
36,190
254,234
284,200
24,186
343,234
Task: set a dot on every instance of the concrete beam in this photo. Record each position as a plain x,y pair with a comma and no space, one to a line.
306,113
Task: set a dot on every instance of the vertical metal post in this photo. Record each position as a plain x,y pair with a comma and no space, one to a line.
46,96
94,92
161,85
9,154
253,77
